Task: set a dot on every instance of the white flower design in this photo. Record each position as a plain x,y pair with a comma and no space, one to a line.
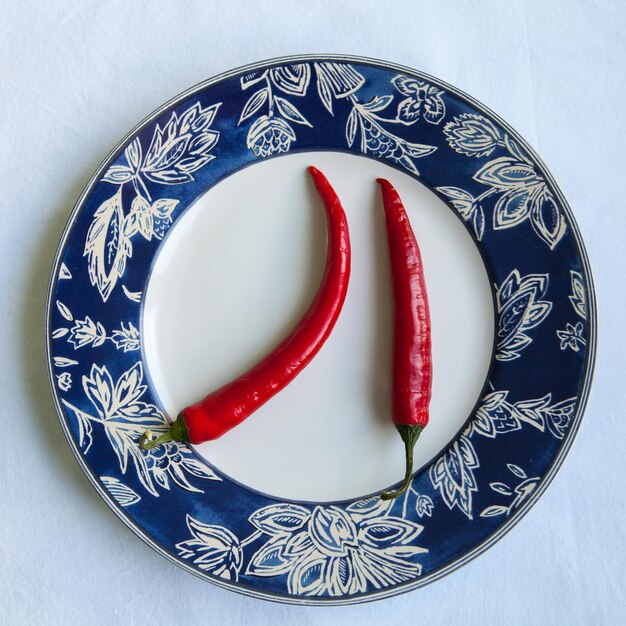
124,417
520,493
64,381
472,135
453,473
578,297
270,135
424,506
213,549
127,338
523,194
121,493
273,132
572,337
177,150
520,308
332,551
87,333
423,100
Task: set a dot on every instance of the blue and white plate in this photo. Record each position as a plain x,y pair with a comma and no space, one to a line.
193,250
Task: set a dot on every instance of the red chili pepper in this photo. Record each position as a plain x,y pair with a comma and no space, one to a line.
412,359
228,406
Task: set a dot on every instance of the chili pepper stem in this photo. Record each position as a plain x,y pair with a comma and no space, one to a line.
410,434
177,431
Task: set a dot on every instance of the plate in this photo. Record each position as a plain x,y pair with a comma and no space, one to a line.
193,249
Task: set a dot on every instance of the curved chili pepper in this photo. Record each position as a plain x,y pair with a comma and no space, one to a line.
228,406
412,359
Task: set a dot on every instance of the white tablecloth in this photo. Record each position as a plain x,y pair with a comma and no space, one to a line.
76,76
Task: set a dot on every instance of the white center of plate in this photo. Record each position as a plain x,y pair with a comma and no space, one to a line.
238,270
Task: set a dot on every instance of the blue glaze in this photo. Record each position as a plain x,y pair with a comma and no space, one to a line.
496,467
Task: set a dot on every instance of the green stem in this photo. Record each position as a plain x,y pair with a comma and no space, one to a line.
177,432
410,434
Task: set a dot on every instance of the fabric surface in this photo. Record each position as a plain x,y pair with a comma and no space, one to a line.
75,77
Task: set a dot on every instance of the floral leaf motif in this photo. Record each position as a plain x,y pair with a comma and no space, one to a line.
292,79
87,332
64,311
434,107
381,143
492,511
332,530
512,208
308,577
453,475
520,308
424,506
578,297
506,173
406,85
252,78
61,361
271,559
64,272
121,493
393,534
290,112
517,470
478,222
472,135
461,200
514,148
468,208
532,411
339,79
495,416
85,429
324,91
182,146
133,154
501,488
107,246
351,126
572,337
409,111
520,494
423,100
118,175
60,332
280,518
126,339
377,103
124,417
213,549
559,417
254,103
269,136
546,218
149,219
332,551
336,80
135,296
368,508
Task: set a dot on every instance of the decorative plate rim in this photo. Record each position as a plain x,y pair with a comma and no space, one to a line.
586,378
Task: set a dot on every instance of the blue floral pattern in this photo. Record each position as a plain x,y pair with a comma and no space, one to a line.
543,347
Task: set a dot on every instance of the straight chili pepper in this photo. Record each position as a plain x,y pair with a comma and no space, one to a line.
228,406
412,358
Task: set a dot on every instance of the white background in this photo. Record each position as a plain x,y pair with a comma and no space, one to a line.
76,76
